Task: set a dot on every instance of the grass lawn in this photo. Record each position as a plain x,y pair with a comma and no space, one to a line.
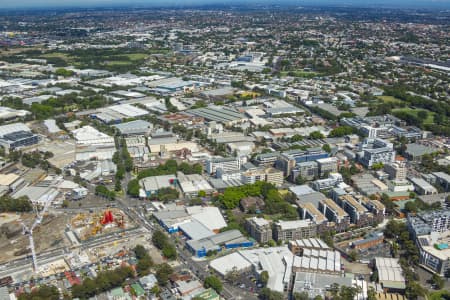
60,55
136,56
428,120
389,99
300,73
118,63
439,295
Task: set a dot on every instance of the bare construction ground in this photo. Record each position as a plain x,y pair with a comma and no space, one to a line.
14,244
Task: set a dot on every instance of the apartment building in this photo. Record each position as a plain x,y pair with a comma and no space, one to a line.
294,230
334,214
270,175
359,215
260,229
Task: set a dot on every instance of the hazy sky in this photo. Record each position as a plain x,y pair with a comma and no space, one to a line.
105,3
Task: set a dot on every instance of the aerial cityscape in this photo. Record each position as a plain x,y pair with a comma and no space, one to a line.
206,150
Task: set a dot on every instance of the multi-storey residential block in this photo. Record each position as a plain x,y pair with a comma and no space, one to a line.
334,214
294,230
327,183
359,215
270,175
377,208
260,229
310,211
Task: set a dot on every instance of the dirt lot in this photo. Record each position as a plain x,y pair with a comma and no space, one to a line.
50,234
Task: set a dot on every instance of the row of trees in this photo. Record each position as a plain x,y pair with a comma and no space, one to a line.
161,241
214,282
145,262
165,194
47,292
123,161
104,281
171,167
398,232
103,191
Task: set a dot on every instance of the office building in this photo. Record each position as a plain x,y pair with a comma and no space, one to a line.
307,170
318,285
227,164
375,151
18,139
435,252
288,159
267,159
327,165
396,170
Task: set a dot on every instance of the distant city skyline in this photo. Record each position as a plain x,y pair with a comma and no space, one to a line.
21,4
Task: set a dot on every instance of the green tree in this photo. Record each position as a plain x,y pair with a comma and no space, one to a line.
411,206
133,188
315,135
371,294
342,131
65,203
143,265
377,166
159,239
214,282
264,277
301,296
438,281
353,255
64,72
326,148
163,272
267,294
414,290
169,251
140,251
47,292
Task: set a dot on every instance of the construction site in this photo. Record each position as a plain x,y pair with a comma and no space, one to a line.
87,226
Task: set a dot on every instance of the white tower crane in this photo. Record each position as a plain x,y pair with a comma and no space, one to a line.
29,231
